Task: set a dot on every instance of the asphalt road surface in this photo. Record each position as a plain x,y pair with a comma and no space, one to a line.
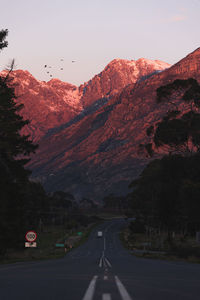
101,269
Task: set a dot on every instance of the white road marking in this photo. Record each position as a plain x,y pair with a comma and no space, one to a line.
91,288
105,277
122,290
109,264
106,297
104,243
100,262
104,262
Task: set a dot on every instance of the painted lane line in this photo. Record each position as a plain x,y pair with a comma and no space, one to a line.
104,243
100,262
122,290
108,263
104,262
106,297
91,288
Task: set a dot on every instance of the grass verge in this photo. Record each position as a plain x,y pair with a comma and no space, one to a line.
46,245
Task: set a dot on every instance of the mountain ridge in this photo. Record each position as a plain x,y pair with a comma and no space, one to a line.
98,154
95,151
54,103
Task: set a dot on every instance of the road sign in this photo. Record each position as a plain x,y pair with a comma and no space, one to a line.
79,233
30,245
60,245
31,236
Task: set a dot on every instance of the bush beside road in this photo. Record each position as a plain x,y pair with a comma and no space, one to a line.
158,246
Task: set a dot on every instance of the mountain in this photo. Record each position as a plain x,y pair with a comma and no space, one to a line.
54,103
80,131
46,104
97,154
118,74
51,104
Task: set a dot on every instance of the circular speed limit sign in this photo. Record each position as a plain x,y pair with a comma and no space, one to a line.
31,236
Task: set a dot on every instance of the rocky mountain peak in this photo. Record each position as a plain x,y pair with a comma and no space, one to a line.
61,84
116,75
46,104
188,65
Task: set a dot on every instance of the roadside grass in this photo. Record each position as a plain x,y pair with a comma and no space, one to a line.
46,244
181,250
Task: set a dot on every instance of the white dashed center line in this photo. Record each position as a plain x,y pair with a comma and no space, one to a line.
101,262
109,264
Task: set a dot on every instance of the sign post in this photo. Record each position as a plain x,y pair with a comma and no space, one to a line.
31,237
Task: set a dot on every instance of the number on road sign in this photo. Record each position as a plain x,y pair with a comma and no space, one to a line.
31,236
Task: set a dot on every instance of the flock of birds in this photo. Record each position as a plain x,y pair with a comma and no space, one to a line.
50,67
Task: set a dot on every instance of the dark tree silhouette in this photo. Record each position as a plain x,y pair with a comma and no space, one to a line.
3,35
177,132
15,148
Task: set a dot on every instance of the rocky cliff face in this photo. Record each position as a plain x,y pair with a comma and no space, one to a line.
188,65
97,154
118,74
46,104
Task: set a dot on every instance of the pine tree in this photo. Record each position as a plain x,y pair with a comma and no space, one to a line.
14,151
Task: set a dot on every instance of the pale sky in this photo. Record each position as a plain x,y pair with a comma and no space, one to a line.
94,32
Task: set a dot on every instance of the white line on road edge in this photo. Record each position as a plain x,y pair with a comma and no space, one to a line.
91,288
106,297
109,264
123,292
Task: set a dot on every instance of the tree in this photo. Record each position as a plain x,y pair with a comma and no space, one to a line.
177,132
3,35
14,151
156,193
167,191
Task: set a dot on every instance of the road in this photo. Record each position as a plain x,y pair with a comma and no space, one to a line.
101,269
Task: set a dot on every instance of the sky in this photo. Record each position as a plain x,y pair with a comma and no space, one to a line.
94,32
